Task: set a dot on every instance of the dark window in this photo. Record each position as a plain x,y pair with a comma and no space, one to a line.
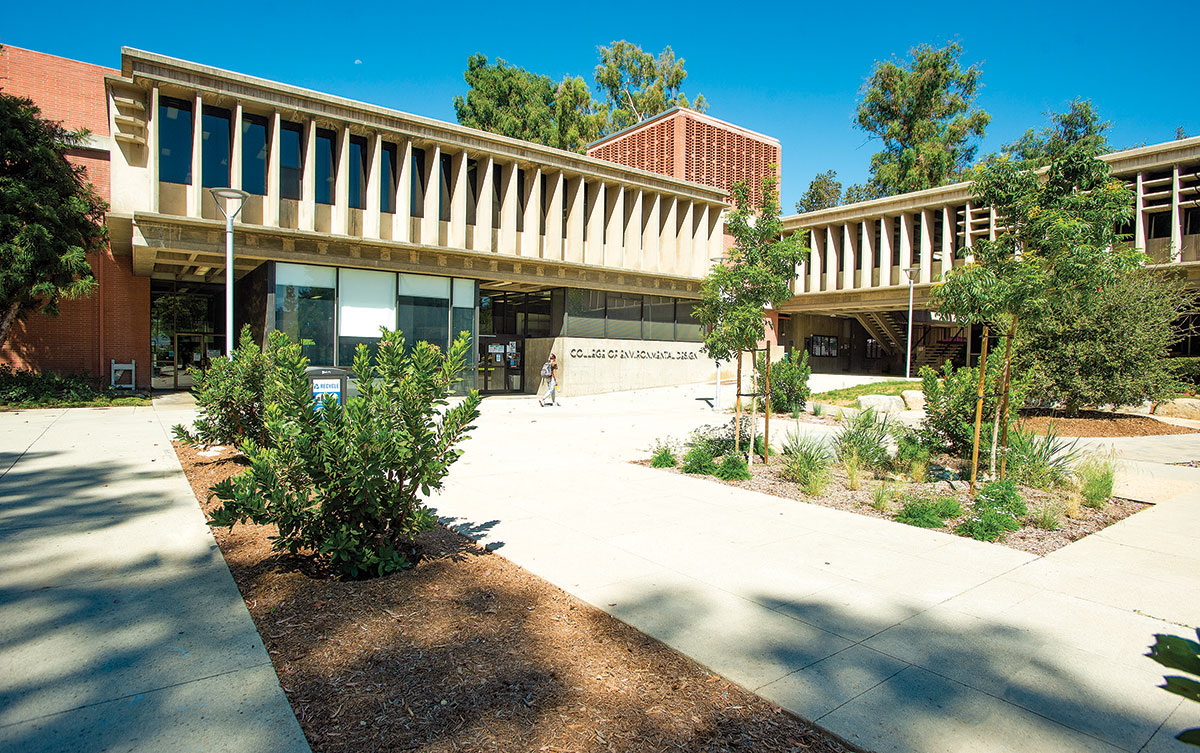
522,199
585,313
473,187
624,316
358,172
1158,225
254,154
824,346
424,320
216,138
1191,221
687,327
660,318
174,140
873,349
545,206
305,304
291,159
444,181
326,167
417,205
387,179
497,192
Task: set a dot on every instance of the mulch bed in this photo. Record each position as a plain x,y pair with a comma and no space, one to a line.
468,652
1092,423
1028,538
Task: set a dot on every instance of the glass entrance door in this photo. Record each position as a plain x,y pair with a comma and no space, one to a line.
501,363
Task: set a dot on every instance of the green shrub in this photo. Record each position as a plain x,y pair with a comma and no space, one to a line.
230,396
950,398
346,483
698,459
806,461
1174,652
760,447
1046,517
1040,461
864,436
911,447
1096,475
732,468
719,440
1187,371
818,410
664,458
789,382
21,388
853,468
880,496
998,508
928,512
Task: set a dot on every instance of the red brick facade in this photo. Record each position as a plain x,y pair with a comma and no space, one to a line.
113,324
694,147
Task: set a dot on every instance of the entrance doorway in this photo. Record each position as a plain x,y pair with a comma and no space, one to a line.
185,319
501,363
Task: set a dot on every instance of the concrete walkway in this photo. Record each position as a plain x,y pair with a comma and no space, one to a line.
897,638
120,625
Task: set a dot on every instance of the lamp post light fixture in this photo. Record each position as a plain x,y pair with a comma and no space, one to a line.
912,278
222,196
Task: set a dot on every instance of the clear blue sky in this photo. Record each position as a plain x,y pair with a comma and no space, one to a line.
792,72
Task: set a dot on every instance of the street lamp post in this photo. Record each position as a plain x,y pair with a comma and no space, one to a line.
911,272
223,195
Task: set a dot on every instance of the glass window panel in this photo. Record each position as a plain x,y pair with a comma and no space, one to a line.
216,135
254,154
326,170
464,293
585,313
387,179
660,318
358,172
291,159
174,140
424,320
537,314
425,286
304,309
624,319
366,302
444,180
687,329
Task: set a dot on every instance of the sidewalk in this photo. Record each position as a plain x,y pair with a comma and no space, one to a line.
120,625
897,638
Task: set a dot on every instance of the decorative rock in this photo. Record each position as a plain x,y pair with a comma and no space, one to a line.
914,399
1180,407
881,403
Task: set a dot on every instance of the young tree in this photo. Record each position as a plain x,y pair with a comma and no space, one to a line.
824,191
755,273
637,85
50,217
923,112
1080,124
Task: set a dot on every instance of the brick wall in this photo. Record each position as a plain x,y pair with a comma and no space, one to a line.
77,341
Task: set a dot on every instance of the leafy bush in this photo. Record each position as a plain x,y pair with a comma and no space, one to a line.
664,458
719,440
789,382
760,446
699,459
1096,475
864,436
1187,371
950,398
231,396
1183,654
346,483
928,512
806,461
911,447
998,508
21,388
732,468
1040,461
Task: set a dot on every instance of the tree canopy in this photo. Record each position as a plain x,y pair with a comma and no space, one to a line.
1080,124
635,85
824,191
50,217
923,112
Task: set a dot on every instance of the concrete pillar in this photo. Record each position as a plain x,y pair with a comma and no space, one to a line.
906,239
632,256
867,253
597,210
1176,219
152,148
849,255
235,151
651,209
668,236
459,186
509,203
949,232
968,228
402,219
271,200
373,211
340,216
1139,215
886,228
195,191
575,209
552,247
699,263
716,234
431,208
831,258
308,183
531,236
816,240
683,239
926,245
484,170
614,225
991,224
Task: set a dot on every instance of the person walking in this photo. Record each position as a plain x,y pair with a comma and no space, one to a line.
550,374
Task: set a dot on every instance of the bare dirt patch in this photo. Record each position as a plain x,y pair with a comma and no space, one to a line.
1100,424
1029,538
468,652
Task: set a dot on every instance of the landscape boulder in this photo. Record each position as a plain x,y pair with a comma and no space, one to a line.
881,403
914,399
1180,407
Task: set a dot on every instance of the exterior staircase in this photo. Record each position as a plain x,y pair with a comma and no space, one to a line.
937,353
886,328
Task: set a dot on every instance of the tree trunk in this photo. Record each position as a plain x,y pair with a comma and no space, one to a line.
979,407
737,407
767,428
6,322
996,424
1012,332
753,404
